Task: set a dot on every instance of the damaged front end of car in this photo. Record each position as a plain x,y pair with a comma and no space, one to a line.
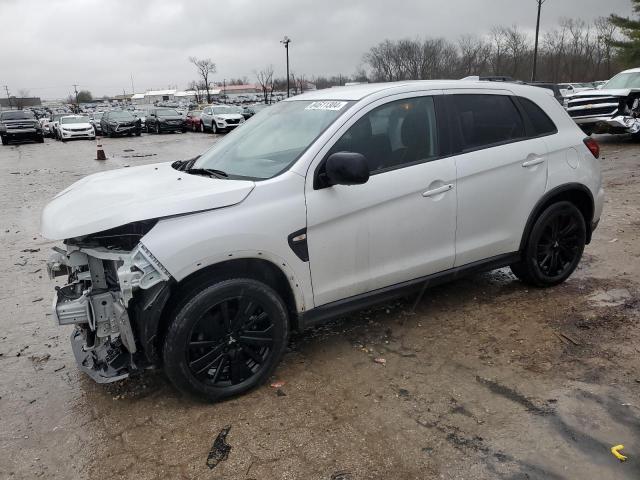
601,113
115,292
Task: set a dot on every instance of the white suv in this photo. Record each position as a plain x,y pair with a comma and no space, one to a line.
321,204
220,118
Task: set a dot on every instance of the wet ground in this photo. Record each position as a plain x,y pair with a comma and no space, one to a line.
483,378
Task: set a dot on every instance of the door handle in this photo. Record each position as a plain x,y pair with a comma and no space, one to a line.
535,160
436,191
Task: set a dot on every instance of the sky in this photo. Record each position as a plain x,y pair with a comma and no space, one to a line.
47,46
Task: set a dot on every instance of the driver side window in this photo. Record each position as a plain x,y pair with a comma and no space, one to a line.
400,133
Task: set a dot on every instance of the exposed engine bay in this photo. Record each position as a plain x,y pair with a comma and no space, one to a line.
102,279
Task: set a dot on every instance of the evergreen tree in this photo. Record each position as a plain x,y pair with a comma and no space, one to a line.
628,49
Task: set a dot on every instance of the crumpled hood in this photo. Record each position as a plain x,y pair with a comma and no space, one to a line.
619,92
110,199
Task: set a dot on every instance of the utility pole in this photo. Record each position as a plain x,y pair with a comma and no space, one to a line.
6,89
535,48
286,41
75,88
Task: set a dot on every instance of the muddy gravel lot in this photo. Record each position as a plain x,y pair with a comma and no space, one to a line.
482,378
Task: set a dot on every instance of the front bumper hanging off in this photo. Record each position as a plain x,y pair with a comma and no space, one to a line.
96,299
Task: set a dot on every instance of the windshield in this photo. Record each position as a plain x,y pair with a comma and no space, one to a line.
120,116
97,116
624,80
167,112
17,115
272,140
74,120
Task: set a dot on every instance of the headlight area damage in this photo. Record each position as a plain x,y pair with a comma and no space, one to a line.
109,292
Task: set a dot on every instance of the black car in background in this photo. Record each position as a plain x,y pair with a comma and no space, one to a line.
95,121
250,110
550,86
20,125
160,120
120,122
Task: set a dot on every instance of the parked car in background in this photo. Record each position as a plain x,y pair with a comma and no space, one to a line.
95,121
220,118
163,119
142,116
568,89
325,203
192,120
19,125
250,110
44,124
613,108
120,122
599,84
76,126
550,86
53,124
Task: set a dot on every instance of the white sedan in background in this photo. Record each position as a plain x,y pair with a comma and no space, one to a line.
75,126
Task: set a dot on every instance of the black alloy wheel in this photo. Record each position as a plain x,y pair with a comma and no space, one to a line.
226,339
554,247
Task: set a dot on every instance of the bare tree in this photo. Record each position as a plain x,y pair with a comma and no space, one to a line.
265,80
205,67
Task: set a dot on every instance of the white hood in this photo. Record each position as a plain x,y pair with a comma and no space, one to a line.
619,92
75,126
117,197
228,116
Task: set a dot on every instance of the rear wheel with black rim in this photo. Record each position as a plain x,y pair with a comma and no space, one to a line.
225,339
554,247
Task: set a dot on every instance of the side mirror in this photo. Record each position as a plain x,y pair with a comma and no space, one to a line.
346,168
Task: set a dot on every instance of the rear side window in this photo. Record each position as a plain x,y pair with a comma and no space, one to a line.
485,120
541,124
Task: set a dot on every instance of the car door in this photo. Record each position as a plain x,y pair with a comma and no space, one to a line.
400,224
501,173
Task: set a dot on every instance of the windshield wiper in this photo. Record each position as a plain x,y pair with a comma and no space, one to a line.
208,171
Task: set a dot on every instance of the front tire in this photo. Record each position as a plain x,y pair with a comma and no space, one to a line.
554,247
214,128
157,129
225,339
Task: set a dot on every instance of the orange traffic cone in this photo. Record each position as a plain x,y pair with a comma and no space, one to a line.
100,153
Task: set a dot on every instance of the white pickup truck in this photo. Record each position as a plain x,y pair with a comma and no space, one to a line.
614,108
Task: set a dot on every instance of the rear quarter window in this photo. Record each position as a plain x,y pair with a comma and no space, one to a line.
540,122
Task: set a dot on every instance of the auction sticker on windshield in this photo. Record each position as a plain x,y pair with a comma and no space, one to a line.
326,105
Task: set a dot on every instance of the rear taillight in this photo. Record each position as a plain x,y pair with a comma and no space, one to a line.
593,146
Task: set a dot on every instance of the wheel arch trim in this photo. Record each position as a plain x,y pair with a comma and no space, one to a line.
558,193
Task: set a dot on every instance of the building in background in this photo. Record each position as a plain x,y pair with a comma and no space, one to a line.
18,103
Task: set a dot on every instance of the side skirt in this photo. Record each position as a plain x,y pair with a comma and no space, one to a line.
339,308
